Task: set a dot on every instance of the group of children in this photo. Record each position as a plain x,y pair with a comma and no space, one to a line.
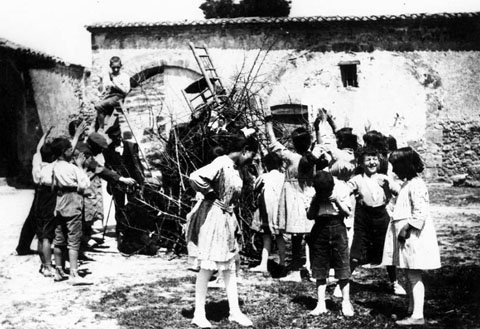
58,202
63,169
317,189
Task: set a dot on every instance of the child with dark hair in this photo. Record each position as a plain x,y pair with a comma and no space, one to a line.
296,191
411,241
328,239
376,140
211,228
70,182
268,187
373,191
44,204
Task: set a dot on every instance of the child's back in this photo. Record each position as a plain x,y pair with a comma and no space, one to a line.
328,239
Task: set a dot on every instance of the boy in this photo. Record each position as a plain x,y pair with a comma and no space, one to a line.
117,86
328,239
70,182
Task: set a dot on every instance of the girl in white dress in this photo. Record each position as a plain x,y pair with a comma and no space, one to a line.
411,241
212,225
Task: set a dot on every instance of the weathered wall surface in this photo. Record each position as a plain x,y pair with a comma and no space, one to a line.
39,92
58,95
417,77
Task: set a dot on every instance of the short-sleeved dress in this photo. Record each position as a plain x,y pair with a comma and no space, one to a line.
420,251
211,225
266,214
295,197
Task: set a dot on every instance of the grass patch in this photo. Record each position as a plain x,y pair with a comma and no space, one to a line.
452,301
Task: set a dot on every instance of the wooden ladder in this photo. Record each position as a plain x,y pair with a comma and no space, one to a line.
209,89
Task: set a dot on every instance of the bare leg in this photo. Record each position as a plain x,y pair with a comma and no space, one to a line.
236,314
266,249
347,308
321,306
201,286
281,248
418,293
40,251
47,252
416,299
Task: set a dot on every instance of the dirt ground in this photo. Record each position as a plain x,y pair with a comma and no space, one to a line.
28,300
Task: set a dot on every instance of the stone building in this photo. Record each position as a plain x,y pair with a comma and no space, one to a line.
36,91
412,76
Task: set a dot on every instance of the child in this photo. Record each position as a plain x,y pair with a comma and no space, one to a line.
270,186
44,204
292,216
328,239
210,232
69,181
373,191
411,241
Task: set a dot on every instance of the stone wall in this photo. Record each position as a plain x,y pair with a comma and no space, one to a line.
461,149
414,73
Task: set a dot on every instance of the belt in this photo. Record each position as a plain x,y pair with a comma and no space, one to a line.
66,189
329,220
225,208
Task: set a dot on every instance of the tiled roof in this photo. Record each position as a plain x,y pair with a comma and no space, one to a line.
278,20
29,52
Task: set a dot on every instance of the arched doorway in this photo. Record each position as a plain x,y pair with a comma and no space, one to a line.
155,102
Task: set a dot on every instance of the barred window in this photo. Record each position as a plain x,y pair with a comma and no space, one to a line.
348,70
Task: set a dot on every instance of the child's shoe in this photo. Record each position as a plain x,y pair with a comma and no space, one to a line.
319,310
59,275
259,268
294,276
347,308
201,322
398,289
77,280
48,271
411,322
240,319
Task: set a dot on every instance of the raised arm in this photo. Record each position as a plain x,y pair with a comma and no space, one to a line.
41,142
78,132
269,126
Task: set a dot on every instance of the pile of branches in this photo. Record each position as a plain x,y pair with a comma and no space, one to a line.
192,145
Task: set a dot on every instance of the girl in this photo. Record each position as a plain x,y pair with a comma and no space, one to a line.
211,228
292,216
270,186
411,241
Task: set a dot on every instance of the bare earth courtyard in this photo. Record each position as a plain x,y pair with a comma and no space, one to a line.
158,292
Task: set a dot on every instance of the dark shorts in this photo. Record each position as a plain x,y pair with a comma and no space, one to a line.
369,229
328,244
68,232
44,212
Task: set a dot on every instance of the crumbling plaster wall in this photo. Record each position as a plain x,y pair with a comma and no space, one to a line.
58,94
410,84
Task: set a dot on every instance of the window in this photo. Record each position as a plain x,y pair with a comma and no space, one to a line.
348,71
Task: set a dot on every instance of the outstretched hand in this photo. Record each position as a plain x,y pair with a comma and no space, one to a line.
81,128
128,181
